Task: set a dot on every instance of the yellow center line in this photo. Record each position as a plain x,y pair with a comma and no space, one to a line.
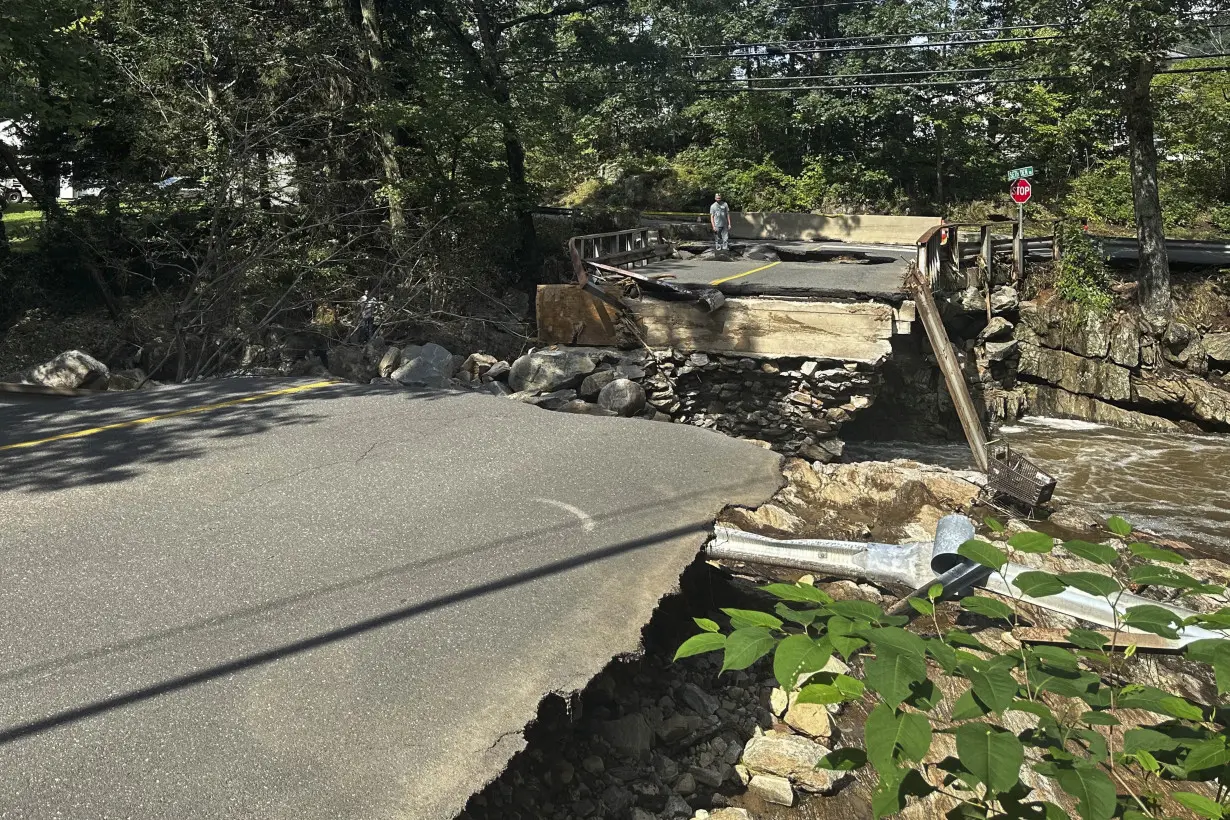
120,425
748,273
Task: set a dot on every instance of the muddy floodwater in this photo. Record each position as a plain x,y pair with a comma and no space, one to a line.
1173,484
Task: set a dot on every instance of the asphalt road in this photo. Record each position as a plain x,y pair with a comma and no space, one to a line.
840,271
337,602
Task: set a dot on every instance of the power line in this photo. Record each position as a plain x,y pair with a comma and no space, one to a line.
927,72
879,47
862,37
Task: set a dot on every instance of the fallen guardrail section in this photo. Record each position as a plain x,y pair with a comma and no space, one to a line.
919,565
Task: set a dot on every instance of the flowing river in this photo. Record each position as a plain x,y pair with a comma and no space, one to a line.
1173,484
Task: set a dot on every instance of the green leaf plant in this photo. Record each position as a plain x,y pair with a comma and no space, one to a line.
1073,694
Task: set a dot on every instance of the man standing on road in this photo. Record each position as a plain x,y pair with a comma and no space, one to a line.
719,218
367,317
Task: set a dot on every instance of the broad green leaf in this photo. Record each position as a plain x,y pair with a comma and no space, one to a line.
1098,553
1033,707
1147,761
1092,788
935,592
891,674
744,618
1118,526
1153,699
987,607
1037,584
895,639
1055,657
1149,740
799,593
1172,578
995,687
1150,552
843,689
944,654
891,735
1035,542
991,755
1087,639
1209,754
1099,719
1200,804
699,644
1151,618
857,610
707,625
799,655
921,605
1216,653
802,617
1095,743
843,760
924,696
852,688
746,646
955,637
993,524
980,552
1092,583
968,707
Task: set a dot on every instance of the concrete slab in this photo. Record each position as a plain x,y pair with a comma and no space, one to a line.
337,602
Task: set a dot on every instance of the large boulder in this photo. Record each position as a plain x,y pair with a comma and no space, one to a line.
72,369
351,362
1056,402
1191,398
622,396
132,379
432,367
1076,374
390,361
594,382
546,371
1217,346
791,757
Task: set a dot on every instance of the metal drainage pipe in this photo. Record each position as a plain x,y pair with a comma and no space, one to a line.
917,565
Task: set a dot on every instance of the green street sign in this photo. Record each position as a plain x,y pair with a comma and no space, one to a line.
1021,173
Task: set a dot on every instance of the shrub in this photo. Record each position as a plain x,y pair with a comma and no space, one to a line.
1083,276
1074,693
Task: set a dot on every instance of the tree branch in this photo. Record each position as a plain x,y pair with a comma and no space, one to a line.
561,10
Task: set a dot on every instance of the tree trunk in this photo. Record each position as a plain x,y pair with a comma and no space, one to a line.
386,140
1154,263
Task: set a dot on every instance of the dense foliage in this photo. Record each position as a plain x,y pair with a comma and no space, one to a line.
332,145
1076,695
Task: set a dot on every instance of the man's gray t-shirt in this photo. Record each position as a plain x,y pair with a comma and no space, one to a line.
720,212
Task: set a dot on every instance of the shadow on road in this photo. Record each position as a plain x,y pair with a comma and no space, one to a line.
176,684
120,454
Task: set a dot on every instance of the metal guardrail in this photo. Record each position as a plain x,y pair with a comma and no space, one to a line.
945,255
1205,253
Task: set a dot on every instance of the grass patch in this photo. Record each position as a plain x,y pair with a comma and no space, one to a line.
22,223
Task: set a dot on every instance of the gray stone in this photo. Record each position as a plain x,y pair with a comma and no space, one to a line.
629,736
594,382
622,396
352,363
498,389
432,367
1077,519
593,764
1004,298
1124,345
1198,399
477,364
582,408
553,401
390,362
701,360
616,800
677,727
498,372
676,806
788,756
1217,346
1193,358
126,379
999,351
630,371
996,330
641,814
730,814
707,777
545,371
809,718
698,700
772,789
686,784
72,370
1102,380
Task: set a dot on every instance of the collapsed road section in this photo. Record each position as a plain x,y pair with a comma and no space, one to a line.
328,601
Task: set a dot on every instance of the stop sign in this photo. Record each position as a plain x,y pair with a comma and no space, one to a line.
1021,191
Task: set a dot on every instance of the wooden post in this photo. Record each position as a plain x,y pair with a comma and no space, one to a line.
950,367
1057,242
988,254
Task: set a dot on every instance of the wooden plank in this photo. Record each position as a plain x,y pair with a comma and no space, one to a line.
953,377
1144,641
567,315
771,327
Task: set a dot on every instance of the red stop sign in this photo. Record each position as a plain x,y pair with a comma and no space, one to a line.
1021,191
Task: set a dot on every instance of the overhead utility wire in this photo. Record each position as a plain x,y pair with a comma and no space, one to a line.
879,47
859,37
927,72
